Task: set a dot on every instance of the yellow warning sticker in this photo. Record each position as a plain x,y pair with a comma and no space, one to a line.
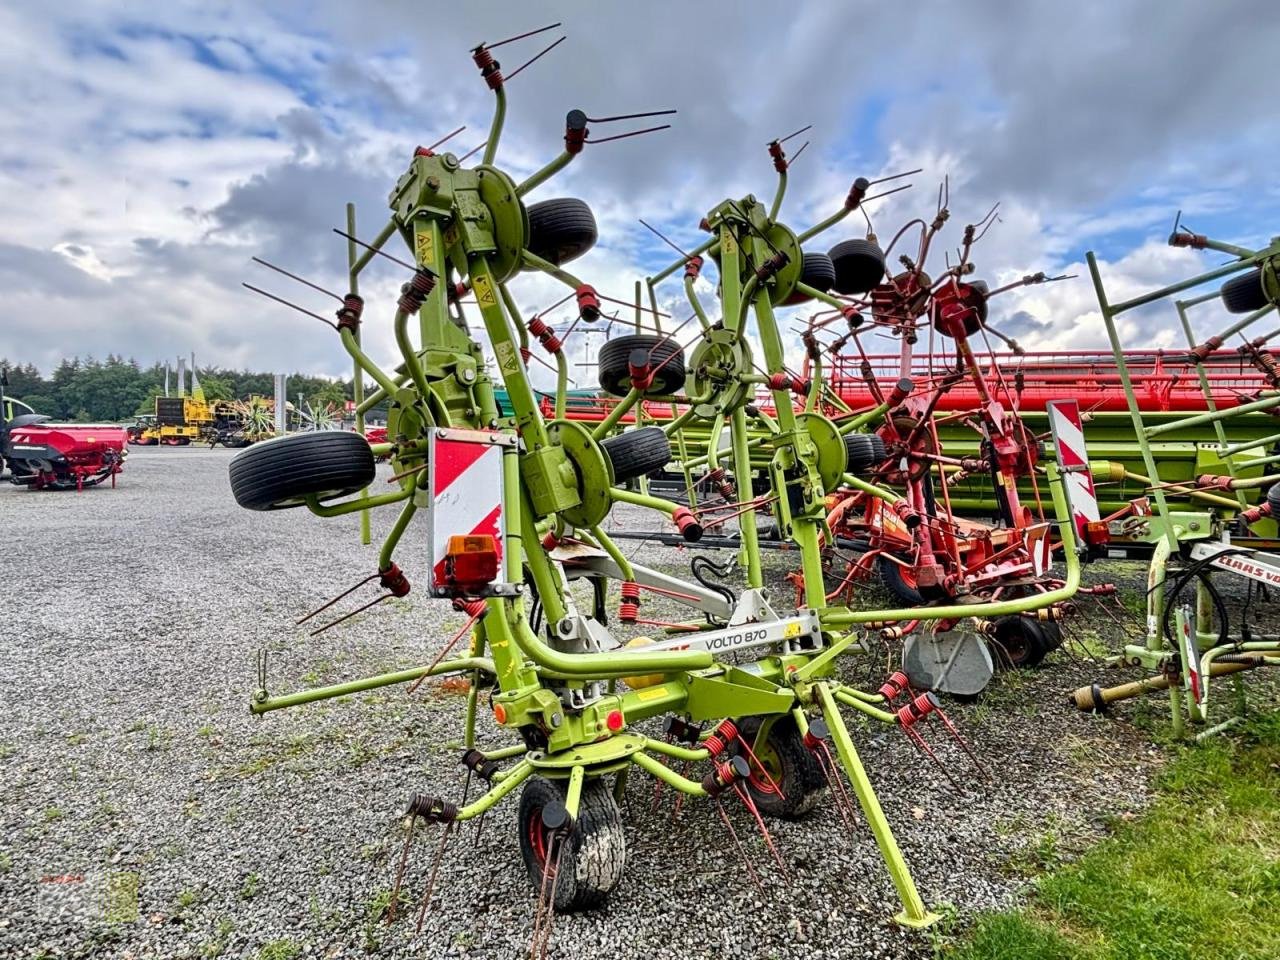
791,630
484,291
505,351
425,245
651,693
728,245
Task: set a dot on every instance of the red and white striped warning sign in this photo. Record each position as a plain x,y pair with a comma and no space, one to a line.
1068,445
466,491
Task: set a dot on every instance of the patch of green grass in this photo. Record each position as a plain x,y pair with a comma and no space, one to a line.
279,950
249,889
216,947
1194,877
52,813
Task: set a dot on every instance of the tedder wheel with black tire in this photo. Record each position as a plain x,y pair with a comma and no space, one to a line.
594,851
816,271
858,264
661,355
1245,293
283,472
900,581
637,452
789,763
1021,642
561,230
864,451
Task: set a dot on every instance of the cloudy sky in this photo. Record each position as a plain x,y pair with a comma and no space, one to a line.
147,151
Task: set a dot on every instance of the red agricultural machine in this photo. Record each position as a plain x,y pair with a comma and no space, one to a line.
51,456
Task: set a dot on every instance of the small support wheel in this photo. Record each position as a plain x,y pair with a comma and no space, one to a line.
636,453
1022,642
594,852
561,230
283,472
789,762
660,355
859,266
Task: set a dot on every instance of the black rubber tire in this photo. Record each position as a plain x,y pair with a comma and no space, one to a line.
662,354
595,851
561,230
1245,293
801,780
817,272
858,264
1019,642
637,452
279,473
1273,498
892,578
864,451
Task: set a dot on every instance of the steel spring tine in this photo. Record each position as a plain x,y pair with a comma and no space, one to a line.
764,829
919,741
348,616
431,881
330,603
404,861
742,851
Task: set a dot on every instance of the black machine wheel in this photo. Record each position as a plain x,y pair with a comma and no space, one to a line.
1273,498
637,452
790,764
818,272
660,354
864,451
899,581
561,230
1245,293
594,852
858,264
1021,642
283,472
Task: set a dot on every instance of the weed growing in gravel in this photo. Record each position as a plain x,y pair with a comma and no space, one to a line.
6,863
7,750
279,950
158,738
249,889
1194,877
188,898
211,949
52,813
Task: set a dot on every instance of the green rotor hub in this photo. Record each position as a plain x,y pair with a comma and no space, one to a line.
720,363
595,476
831,453
510,220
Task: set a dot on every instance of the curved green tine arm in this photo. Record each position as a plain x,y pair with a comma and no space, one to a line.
696,303
511,779
388,386
611,548
546,266
668,776
545,174
411,363
351,506
264,704
697,251
495,128
619,411
778,194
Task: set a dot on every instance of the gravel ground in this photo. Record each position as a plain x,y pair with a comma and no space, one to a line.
128,758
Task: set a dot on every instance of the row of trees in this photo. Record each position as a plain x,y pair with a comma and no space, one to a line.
116,389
